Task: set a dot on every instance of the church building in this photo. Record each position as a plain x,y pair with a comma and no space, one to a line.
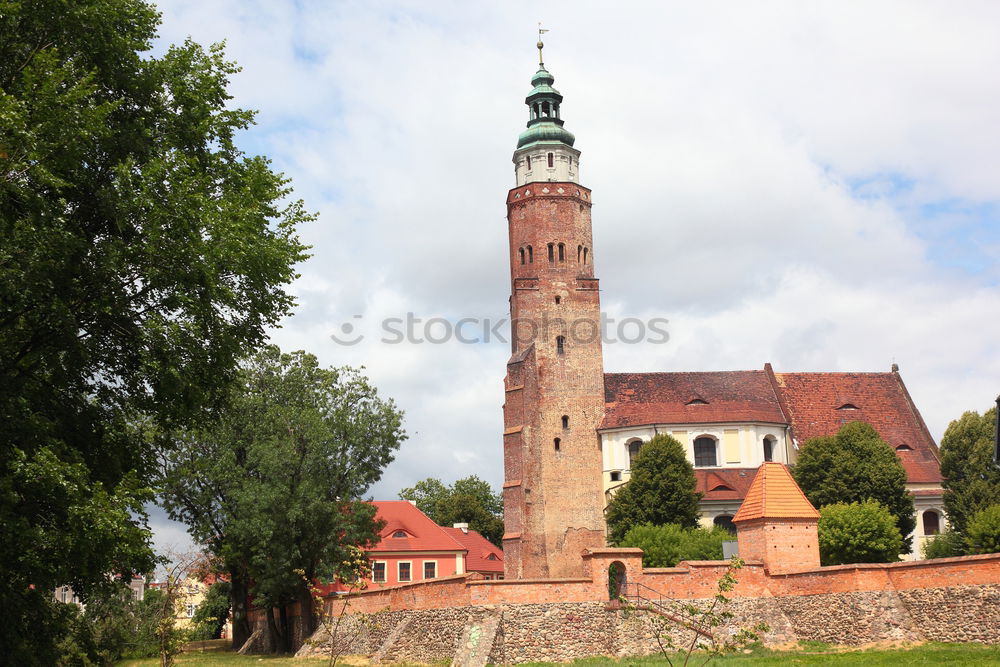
571,430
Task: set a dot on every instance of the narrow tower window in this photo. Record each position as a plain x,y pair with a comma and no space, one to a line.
552,252
558,300
560,344
531,255
584,255
562,252
768,448
529,163
579,253
565,421
556,443
552,160
520,252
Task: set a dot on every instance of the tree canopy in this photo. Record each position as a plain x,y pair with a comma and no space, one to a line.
660,491
669,544
971,479
469,500
856,465
142,254
859,532
272,486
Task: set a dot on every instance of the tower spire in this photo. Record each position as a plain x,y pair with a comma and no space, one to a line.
540,45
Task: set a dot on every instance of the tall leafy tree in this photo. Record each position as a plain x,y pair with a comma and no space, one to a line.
856,465
142,253
469,500
272,486
661,490
971,478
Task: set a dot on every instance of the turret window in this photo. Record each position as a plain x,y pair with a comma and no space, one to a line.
520,252
529,163
531,255
558,300
556,444
552,160
584,255
562,252
565,421
552,252
560,344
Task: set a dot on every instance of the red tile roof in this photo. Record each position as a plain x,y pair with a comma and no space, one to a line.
724,483
422,533
480,550
775,495
633,399
816,405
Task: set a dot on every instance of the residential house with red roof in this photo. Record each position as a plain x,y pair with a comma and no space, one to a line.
414,548
731,422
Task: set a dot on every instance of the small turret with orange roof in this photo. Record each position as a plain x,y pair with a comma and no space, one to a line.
773,494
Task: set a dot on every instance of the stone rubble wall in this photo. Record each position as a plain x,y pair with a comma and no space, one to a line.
571,630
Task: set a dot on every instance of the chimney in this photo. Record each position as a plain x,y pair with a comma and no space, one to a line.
463,526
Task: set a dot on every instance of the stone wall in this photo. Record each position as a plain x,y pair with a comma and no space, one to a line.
570,630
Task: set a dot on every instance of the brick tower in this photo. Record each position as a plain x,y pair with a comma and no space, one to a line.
553,501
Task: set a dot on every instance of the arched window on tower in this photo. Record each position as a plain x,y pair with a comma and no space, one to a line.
520,252
579,254
769,448
584,255
560,344
565,421
932,522
558,300
556,443
552,160
529,163
531,255
552,252
562,252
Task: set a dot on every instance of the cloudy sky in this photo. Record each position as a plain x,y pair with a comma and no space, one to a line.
810,184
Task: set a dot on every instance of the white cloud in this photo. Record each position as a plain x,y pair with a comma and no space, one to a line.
760,173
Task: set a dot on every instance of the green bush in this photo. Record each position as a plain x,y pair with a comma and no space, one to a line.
667,545
983,533
210,616
860,532
945,545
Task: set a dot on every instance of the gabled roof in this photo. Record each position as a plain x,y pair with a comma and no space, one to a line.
480,550
774,494
633,399
423,534
815,401
736,482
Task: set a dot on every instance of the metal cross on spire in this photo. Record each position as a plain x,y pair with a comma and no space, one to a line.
541,31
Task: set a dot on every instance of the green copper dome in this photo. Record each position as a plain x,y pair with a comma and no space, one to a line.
544,124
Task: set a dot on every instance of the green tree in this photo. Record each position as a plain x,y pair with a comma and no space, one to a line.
859,532
946,544
469,500
971,479
271,487
669,544
210,616
855,465
660,491
142,254
984,531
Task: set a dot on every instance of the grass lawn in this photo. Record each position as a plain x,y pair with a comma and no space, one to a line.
808,654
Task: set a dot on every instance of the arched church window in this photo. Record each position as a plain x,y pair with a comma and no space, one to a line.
704,452
531,255
520,252
725,521
932,522
633,451
552,160
560,344
565,421
552,252
769,448
562,252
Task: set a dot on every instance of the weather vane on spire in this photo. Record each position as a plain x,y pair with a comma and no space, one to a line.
541,31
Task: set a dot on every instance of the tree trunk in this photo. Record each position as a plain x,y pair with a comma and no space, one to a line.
286,633
238,599
307,612
277,645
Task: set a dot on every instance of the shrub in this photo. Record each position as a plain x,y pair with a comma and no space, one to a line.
863,532
667,545
983,533
945,545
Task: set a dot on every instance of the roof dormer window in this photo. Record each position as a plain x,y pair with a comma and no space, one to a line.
720,487
904,448
400,533
848,406
697,401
